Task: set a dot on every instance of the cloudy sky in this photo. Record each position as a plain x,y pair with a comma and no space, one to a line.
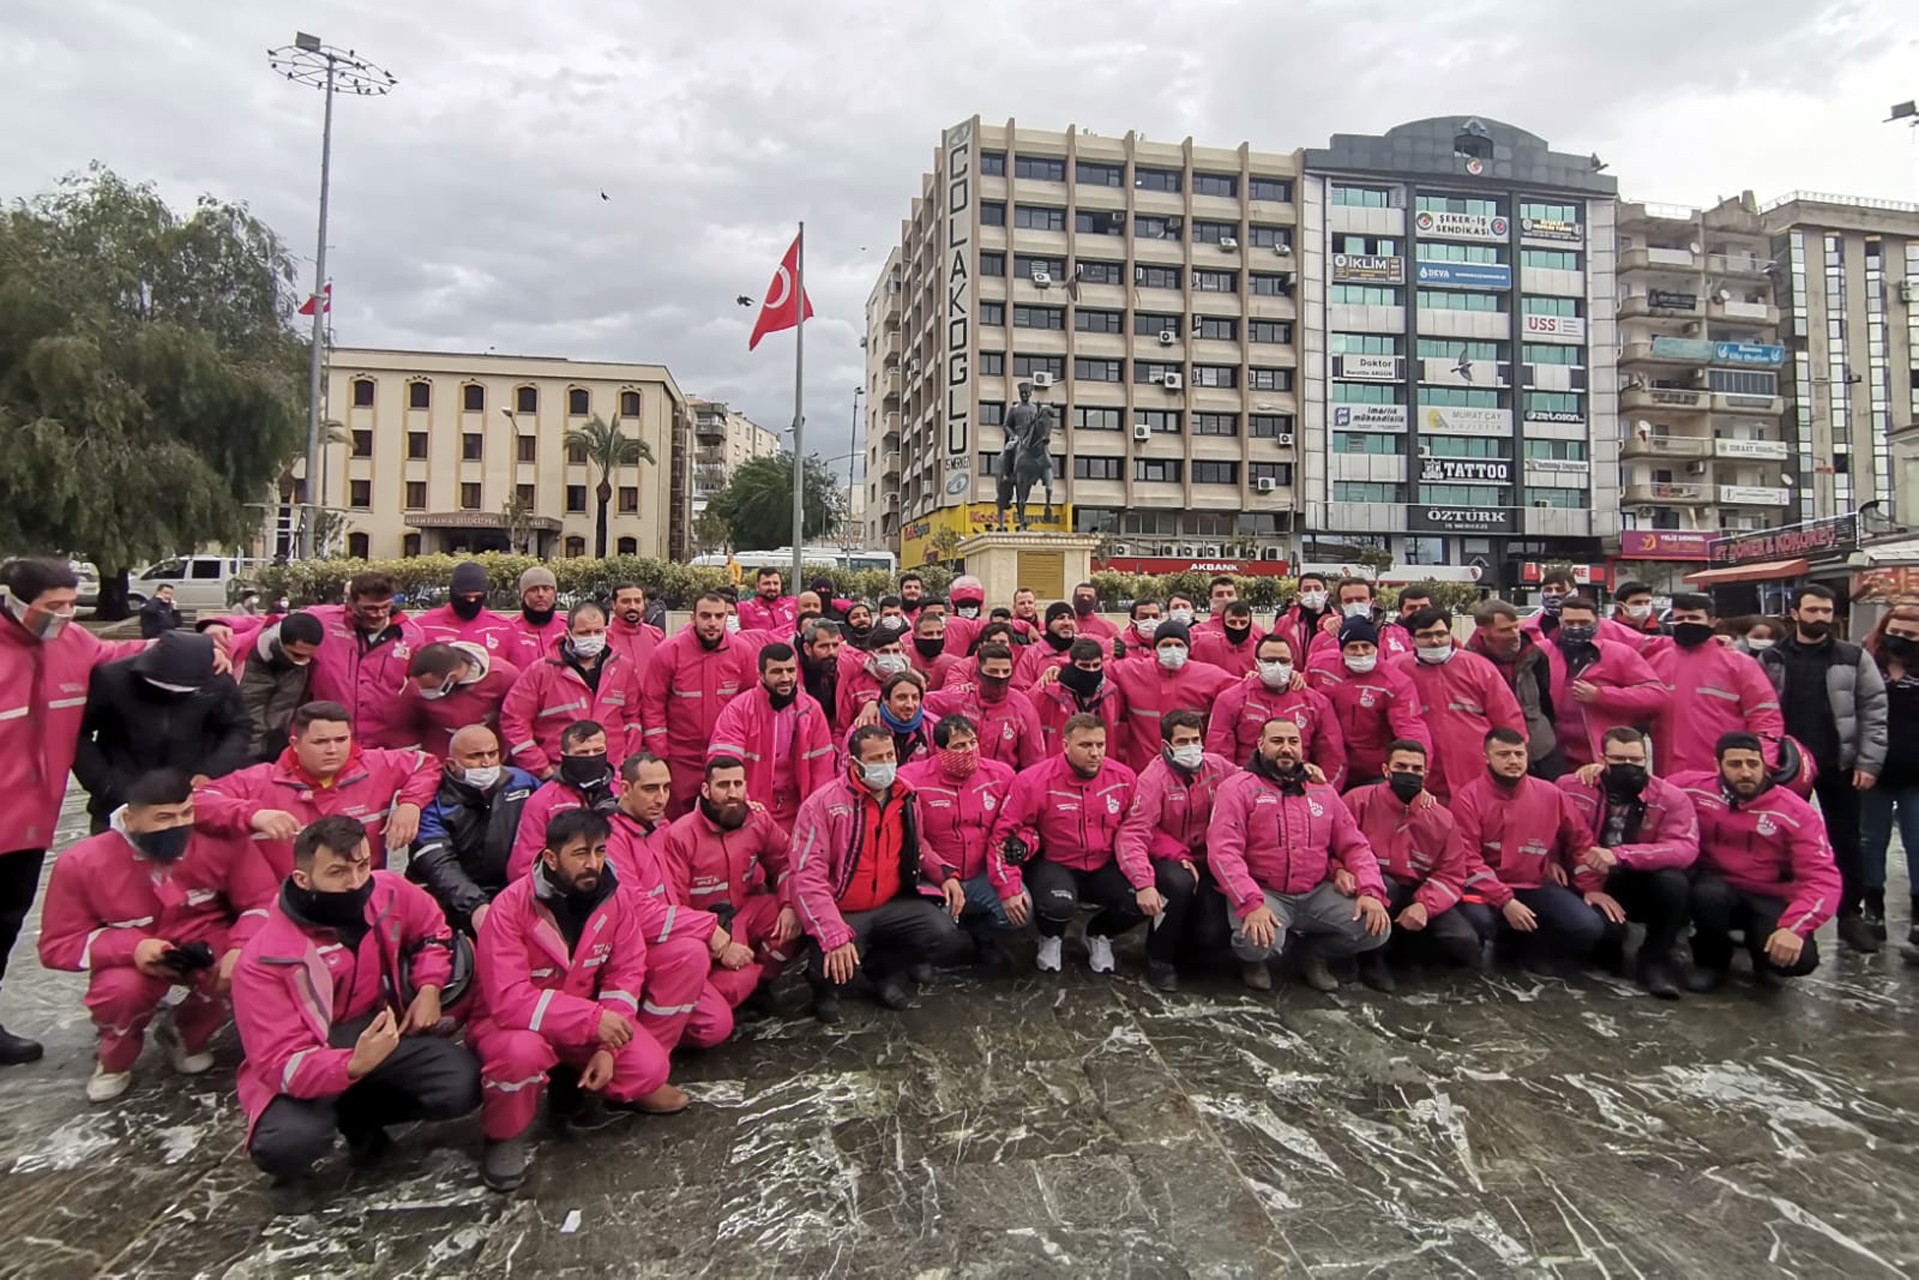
467,210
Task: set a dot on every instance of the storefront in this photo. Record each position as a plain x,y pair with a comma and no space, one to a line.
1755,572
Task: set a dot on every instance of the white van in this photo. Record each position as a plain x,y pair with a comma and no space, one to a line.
200,583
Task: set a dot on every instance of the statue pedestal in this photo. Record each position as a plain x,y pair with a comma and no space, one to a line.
1048,564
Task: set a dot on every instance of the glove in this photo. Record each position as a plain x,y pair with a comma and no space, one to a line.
1119,647
1015,850
190,958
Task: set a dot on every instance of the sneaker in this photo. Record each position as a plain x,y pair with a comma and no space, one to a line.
1857,934
1256,975
1376,973
1317,976
1655,976
291,1197
187,1064
1162,976
1099,954
664,1101
1701,980
105,1085
17,1051
1047,961
504,1167
826,1005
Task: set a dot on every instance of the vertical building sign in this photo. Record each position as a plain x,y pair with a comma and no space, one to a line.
959,280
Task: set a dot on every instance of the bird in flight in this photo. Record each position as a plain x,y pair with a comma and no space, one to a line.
605,196
743,300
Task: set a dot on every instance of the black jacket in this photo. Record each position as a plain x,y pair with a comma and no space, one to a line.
156,618
131,727
466,841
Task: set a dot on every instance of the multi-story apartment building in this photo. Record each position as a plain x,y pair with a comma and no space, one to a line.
723,439
439,445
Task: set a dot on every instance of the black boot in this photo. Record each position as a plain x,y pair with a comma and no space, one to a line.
1655,975
1857,934
1376,973
826,1000
1875,912
16,1051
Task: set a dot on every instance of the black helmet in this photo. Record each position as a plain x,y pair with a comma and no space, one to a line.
1795,769
457,985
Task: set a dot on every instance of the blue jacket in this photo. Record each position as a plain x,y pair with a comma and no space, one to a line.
466,841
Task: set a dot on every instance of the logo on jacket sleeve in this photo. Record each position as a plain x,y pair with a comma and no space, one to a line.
989,802
1315,808
1112,804
1767,827
1365,697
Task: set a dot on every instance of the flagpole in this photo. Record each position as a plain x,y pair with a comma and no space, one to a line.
799,416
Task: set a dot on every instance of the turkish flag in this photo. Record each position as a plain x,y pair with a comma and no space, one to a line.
781,310
306,308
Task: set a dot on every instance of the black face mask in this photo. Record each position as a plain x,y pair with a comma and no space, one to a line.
1059,644
1624,781
1903,648
584,771
1084,608
1690,635
996,686
467,609
1571,637
781,701
1815,631
1405,786
344,910
1081,681
929,647
538,617
164,846
859,631
1237,635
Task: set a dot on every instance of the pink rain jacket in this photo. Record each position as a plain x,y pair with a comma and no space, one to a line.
1774,844
1262,839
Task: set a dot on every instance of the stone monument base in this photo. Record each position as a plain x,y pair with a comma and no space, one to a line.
1048,564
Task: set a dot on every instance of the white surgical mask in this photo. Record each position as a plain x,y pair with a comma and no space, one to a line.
589,646
878,777
1357,609
481,778
432,695
1275,675
1434,653
1362,666
1173,657
732,622
1147,626
1190,756
1638,611
1312,601
1759,646
164,687
1183,615
890,664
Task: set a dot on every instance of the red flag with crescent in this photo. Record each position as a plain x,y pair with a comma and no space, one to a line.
781,310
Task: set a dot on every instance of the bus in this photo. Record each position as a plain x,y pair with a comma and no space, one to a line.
856,560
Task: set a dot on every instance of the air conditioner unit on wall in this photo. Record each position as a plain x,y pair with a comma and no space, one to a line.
1142,432
1042,379
1173,382
1167,337
1284,437
1044,279
1265,484
1227,244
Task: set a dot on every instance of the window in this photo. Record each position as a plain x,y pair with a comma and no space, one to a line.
1156,179
629,404
1039,217
576,455
1453,300
410,545
1215,281
1269,331
575,498
1364,491
1446,251
1556,404
1156,277
529,449
1362,344
1280,189
1569,499
416,445
1085,468
1266,237
1096,321
1265,426
1280,473
1464,495
1088,174
992,313
1267,285
1550,353
992,364
419,395
1085,370
1149,226
1027,366
1091,419
1533,306
1373,442
992,164
992,264
1744,382
1027,265
992,213
1150,324
526,400
358,545
1215,424
575,547
1163,421
1462,397
992,412
1214,232
1159,470
1153,371
1206,472
415,495
1216,184
989,465
362,443
629,499
1361,197
1473,206
628,547
1373,246
1463,446
1551,259
1455,349
1222,328
1099,222
1364,295
1368,393
1091,272
1563,450
1540,211
1039,168
524,493
360,493
578,404
1270,379
472,446
1215,375
1025,317
473,398
363,393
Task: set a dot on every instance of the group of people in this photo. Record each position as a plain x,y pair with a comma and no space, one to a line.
457,859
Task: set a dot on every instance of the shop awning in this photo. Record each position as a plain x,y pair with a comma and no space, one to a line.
1764,571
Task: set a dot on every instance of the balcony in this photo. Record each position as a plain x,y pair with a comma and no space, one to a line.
709,428
1737,266
1671,495
1656,446
1759,313
1669,351
1662,305
1738,402
890,463
1668,399
1657,258
1750,495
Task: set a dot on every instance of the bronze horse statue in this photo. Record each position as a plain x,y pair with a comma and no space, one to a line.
1027,458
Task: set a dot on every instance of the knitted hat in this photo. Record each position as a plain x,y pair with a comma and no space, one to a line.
538,576
1056,610
1171,629
470,576
1357,629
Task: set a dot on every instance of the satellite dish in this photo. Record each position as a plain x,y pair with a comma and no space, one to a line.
1694,246
1785,478
1725,295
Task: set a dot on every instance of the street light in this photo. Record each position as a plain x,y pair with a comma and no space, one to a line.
852,458
319,66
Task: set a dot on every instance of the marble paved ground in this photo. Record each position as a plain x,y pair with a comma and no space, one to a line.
1080,1127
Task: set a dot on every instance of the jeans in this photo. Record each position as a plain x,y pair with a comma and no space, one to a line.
982,899
1324,917
1877,810
1839,806
1656,899
1057,892
1567,925
896,935
1718,909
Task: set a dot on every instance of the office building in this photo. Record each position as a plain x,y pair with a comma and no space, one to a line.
454,452
723,440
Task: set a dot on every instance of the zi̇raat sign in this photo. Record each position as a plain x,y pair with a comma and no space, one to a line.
1462,226
959,289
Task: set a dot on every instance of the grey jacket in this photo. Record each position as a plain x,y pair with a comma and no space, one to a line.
1858,694
272,689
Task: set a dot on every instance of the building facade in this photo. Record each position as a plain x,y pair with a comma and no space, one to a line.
451,452
724,439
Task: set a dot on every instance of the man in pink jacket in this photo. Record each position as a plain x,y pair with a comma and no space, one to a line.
1170,682
1165,831
1461,697
1277,688
1765,868
769,608
1290,860
730,858
1597,684
1221,593
46,665
465,617
323,772
1050,650
691,678
1313,621
859,865
453,686
1645,838
1086,614
1233,645
336,999
539,623
863,671
1005,719
927,652
363,663
1060,831
1084,685
584,777
781,736
961,793
1711,689
1373,700
562,967
580,680
146,906
1136,641
628,632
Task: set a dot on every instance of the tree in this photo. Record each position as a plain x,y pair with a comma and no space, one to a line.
943,546
757,503
151,384
710,533
607,448
517,516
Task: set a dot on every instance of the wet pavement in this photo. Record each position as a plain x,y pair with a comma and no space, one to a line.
1084,1127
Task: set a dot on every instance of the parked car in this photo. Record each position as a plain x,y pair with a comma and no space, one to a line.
89,583
201,584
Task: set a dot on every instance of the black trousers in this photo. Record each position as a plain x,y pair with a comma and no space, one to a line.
895,935
1191,928
1454,935
1839,806
19,882
1057,892
1718,909
425,1078
1567,926
1656,899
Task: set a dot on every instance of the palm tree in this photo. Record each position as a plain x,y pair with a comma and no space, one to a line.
607,447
